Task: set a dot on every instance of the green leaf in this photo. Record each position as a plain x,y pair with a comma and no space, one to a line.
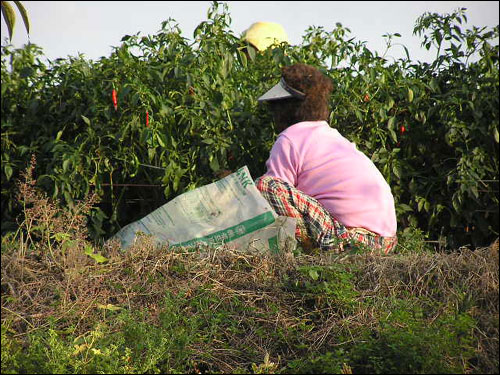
420,204
359,115
61,236
390,123
410,95
24,14
313,274
407,53
214,164
8,171
396,169
404,208
495,134
86,120
97,257
243,58
151,154
59,134
10,18
109,306
160,140
177,180
393,135
225,67
389,104
434,85
251,52
438,36
66,164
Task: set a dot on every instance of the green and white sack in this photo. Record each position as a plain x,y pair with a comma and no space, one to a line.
230,211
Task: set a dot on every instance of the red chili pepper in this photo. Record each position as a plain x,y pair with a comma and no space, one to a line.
403,129
115,100
366,98
147,119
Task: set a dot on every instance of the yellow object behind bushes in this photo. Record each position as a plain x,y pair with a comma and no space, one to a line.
264,34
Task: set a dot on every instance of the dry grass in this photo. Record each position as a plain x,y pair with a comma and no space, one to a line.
139,278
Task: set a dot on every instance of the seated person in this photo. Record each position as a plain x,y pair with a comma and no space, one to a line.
317,176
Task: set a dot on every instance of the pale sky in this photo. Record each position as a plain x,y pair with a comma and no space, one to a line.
65,28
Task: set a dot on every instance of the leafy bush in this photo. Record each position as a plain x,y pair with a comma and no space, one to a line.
185,111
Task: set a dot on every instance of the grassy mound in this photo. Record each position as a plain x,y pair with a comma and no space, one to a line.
69,306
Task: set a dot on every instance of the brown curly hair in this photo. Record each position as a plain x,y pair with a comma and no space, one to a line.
315,105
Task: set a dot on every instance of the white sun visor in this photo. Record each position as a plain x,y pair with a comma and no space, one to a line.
281,91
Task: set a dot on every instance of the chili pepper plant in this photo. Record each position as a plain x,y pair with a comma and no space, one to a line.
183,110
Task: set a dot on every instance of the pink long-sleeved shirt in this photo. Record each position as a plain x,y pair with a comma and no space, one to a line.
319,161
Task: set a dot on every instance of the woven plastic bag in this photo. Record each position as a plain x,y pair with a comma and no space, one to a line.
229,211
